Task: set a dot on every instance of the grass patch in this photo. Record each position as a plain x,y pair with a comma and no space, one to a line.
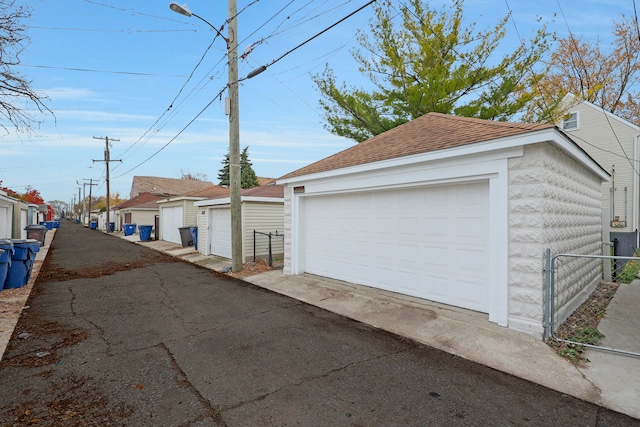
582,326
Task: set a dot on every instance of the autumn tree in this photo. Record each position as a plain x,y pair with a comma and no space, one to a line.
14,87
100,202
607,77
425,60
185,174
248,177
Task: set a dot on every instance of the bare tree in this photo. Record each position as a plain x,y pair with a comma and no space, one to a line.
15,90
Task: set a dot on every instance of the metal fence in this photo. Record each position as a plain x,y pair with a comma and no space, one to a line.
267,245
594,302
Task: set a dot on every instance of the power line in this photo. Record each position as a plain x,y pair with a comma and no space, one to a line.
88,70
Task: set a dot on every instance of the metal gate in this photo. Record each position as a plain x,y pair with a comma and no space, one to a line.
585,307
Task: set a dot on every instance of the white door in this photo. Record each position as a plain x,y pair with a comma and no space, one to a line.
5,223
428,242
23,223
171,222
220,231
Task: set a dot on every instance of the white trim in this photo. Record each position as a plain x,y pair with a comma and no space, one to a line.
227,201
447,171
563,122
178,199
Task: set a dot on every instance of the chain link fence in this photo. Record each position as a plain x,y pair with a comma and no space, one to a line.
593,301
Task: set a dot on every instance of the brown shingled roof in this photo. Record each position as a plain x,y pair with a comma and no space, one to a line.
210,192
165,186
269,190
143,200
431,132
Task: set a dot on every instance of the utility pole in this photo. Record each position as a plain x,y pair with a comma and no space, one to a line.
106,161
90,184
234,140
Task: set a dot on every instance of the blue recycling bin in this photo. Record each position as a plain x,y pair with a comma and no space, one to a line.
112,226
47,224
93,225
56,224
6,246
145,232
194,233
129,229
17,273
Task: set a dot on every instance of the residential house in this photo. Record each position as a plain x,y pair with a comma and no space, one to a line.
612,142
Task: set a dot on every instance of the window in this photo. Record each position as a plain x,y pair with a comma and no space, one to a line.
570,121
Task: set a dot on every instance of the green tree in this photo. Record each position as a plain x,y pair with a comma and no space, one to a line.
248,177
429,62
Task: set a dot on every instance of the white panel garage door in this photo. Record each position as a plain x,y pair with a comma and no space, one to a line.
171,222
220,229
429,242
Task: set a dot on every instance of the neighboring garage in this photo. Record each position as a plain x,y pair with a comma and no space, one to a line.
262,210
449,209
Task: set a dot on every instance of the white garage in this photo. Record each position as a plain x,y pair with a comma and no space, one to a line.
171,219
454,210
262,211
405,240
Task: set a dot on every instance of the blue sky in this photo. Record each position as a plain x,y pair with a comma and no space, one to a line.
113,68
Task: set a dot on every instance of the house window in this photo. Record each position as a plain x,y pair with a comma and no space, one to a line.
570,121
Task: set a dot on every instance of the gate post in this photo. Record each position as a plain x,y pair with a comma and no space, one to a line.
547,295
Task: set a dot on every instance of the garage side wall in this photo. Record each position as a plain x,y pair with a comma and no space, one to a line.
265,218
555,203
203,230
288,224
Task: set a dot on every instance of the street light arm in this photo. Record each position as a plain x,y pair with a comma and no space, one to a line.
183,10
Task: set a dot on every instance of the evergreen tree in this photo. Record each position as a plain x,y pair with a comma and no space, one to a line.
248,177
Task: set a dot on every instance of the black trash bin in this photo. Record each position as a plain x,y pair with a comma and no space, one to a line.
36,232
186,236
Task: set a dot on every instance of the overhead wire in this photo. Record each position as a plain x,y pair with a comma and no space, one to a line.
242,79
582,84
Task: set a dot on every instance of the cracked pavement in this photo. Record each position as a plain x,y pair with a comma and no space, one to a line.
136,338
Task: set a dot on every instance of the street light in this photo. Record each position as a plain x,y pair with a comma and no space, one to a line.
234,126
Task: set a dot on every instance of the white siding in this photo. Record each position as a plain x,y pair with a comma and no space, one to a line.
142,217
265,218
610,141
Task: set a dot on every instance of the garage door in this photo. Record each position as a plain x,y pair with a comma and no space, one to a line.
429,242
171,222
220,229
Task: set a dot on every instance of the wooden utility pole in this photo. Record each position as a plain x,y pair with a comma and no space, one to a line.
90,184
107,159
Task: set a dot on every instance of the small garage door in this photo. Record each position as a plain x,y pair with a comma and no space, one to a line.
428,242
220,232
171,222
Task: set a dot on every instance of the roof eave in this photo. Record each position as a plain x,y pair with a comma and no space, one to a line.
551,134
